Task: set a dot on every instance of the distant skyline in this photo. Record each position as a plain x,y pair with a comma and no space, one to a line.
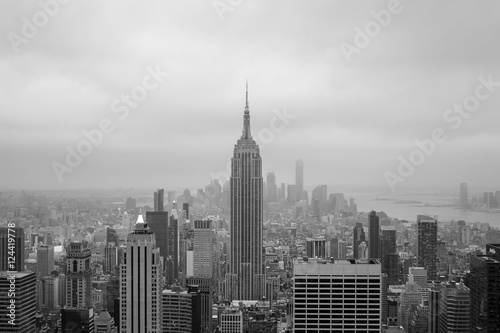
351,120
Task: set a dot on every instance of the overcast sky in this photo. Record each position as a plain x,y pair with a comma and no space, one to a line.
353,117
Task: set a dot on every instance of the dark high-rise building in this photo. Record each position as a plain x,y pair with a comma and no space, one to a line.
246,280
18,315
464,196
77,320
204,291
172,258
299,178
158,200
334,248
158,224
272,188
374,235
316,248
130,204
427,245
358,236
484,283
13,249
112,237
45,260
185,209
389,255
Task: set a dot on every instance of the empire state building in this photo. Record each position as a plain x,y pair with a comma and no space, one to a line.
246,278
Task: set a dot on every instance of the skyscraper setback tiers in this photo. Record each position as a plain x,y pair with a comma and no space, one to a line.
246,278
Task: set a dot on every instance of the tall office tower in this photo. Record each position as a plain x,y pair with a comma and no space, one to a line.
130,204
246,280
454,308
17,302
484,284
172,258
158,223
427,245
418,275
316,248
110,258
203,287
104,323
203,248
176,310
299,178
272,188
337,295
410,297
45,260
464,196
342,249
358,236
158,200
49,292
433,310
12,249
78,274
282,189
388,253
292,194
140,282
334,248
112,236
185,210
374,235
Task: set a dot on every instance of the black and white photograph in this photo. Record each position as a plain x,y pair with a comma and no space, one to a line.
249,166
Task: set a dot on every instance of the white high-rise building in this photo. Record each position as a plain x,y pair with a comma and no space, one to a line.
140,282
231,321
418,275
337,295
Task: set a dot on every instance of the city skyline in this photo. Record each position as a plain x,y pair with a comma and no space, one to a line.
299,67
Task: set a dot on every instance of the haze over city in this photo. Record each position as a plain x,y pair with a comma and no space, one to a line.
351,114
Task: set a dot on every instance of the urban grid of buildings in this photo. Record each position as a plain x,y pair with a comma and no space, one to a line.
243,256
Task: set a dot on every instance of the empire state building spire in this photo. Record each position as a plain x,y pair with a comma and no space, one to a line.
246,120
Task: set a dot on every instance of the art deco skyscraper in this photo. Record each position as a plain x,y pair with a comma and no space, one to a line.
140,282
246,278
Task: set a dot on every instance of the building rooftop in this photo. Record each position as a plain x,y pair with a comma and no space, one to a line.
306,260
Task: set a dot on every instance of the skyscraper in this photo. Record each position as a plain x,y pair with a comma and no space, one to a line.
158,200
246,280
389,255
11,249
78,274
454,308
203,248
20,313
337,295
177,312
45,260
299,178
158,223
316,247
427,245
272,188
140,282
464,196
374,234
358,237
484,284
